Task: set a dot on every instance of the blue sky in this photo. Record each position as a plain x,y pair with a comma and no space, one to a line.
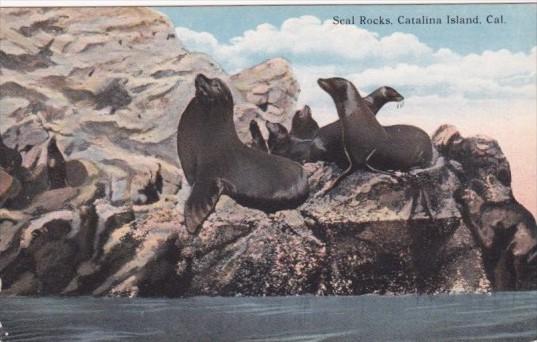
227,22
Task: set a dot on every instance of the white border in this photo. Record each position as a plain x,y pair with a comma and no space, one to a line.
76,3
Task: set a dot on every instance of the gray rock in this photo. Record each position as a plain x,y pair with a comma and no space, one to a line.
505,231
116,227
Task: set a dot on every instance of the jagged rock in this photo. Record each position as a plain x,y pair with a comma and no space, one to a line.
26,61
504,229
76,172
270,90
480,156
10,159
113,95
143,77
114,226
56,171
86,79
9,187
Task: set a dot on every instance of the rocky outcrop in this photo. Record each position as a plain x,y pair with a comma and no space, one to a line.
504,229
270,91
92,195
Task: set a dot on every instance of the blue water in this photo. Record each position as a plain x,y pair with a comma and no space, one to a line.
497,317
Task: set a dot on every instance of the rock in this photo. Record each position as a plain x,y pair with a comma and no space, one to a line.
113,95
9,187
270,90
10,159
76,173
480,156
504,229
108,95
360,239
28,62
33,183
52,200
56,171
86,79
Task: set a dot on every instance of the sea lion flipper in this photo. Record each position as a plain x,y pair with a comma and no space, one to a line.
257,138
396,175
342,176
201,203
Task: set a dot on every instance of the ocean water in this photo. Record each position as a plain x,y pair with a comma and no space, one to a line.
496,317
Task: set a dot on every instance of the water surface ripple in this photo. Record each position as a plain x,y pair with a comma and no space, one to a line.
496,317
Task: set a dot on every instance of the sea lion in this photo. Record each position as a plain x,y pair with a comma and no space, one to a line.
216,162
379,97
57,173
258,141
303,126
331,134
366,142
324,143
282,143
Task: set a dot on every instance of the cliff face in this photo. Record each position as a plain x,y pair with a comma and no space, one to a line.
92,193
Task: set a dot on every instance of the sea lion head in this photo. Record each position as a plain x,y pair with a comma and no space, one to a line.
278,140
212,92
303,125
343,92
391,94
339,88
303,114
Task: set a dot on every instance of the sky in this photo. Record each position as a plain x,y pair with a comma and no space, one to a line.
478,77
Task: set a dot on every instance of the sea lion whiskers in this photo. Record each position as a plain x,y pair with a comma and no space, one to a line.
366,143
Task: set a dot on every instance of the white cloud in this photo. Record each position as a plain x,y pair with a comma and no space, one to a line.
197,41
304,37
400,59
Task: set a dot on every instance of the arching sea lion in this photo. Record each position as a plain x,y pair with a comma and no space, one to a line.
216,162
331,133
366,143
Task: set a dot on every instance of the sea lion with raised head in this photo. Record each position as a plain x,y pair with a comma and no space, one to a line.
216,162
366,142
331,133
324,143
303,126
380,96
